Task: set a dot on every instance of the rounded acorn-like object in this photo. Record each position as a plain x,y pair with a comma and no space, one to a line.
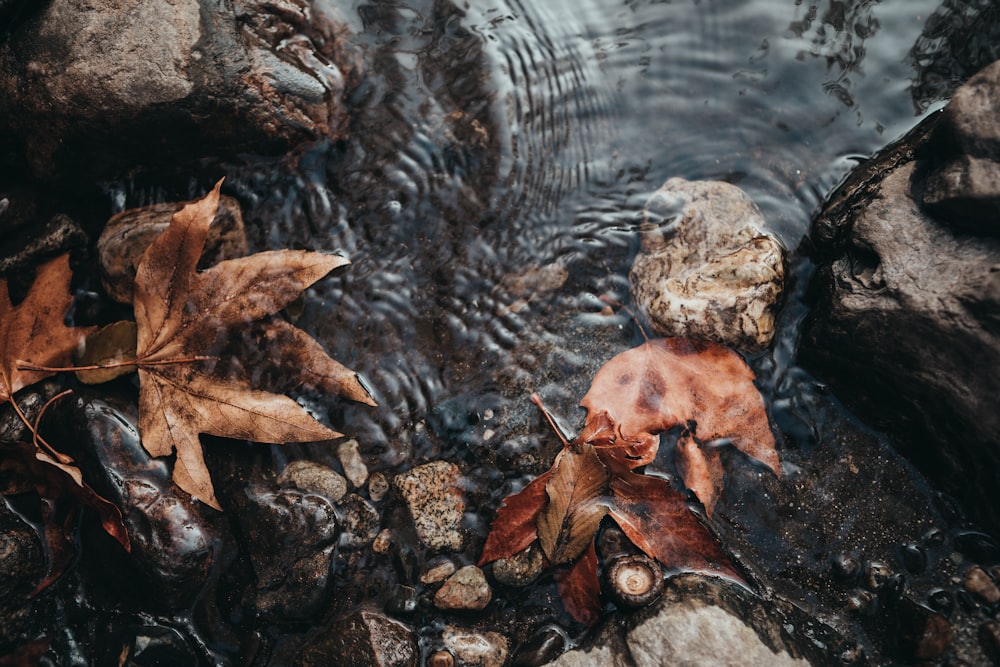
633,581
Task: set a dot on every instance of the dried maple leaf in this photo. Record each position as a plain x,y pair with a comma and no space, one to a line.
35,330
666,382
185,315
516,524
576,504
579,588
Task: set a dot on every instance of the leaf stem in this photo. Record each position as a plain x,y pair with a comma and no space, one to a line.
537,400
27,366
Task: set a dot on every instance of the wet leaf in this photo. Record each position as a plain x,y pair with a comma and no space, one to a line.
704,387
183,315
112,346
701,469
23,468
580,589
576,504
516,523
656,518
35,331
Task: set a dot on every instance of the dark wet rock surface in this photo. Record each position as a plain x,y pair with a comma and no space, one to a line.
904,322
82,83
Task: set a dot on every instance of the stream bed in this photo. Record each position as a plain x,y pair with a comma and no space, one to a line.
488,194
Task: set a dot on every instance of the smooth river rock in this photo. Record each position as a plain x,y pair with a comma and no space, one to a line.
708,268
905,320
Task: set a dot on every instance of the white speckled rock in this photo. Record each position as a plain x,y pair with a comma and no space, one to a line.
434,495
707,268
476,649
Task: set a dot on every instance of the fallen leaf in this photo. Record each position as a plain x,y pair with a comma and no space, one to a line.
576,504
580,589
701,469
23,468
516,524
111,347
656,518
35,330
183,315
666,382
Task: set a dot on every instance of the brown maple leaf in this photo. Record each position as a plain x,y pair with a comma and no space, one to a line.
35,330
666,382
183,316
575,505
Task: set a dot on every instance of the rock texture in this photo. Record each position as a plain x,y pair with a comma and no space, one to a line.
83,83
906,314
707,268
434,496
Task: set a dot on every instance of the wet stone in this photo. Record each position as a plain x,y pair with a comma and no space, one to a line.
363,638
437,571
876,575
522,568
476,649
60,234
402,600
708,268
21,565
290,537
127,235
354,467
359,520
913,557
172,535
314,478
941,600
378,486
465,590
989,640
543,647
382,542
434,497
980,584
921,634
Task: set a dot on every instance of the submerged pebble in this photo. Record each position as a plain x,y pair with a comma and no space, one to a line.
314,478
465,590
354,466
434,498
522,568
476,649
980,584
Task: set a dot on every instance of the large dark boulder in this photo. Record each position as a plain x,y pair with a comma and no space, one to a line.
98,85
906,318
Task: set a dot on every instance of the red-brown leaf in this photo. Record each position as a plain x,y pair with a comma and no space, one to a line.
579,588
656,518
516,524
576,504
23,468
701,469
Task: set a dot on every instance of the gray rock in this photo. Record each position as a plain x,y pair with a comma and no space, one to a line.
359,520
364,638
698,622
707,268
963,186
314,478
522,568
465,590
81,82
434,496
354,466
476,649
906,323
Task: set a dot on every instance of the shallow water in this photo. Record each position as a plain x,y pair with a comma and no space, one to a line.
503,137
492,140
